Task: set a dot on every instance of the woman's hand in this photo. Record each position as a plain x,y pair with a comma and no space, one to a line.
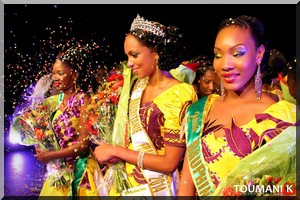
104,153
42,155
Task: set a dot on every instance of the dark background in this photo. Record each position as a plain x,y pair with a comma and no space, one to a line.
29,29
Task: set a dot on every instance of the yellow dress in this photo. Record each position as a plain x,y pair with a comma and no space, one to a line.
65,126
222,154
161,118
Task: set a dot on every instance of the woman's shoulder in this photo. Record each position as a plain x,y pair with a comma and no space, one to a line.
282,105
282,110
176,96
180,91
184,86
80,98
82,95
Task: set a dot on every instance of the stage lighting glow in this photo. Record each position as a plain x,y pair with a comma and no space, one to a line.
17,162
14,137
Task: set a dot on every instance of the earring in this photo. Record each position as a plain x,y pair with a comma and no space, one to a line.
222,91
76,85
258,83
156,60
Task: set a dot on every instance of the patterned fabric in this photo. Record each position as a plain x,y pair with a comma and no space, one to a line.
222,154
161,118
66,128
66,124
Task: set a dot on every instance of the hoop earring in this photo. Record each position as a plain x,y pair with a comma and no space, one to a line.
222,91
258,83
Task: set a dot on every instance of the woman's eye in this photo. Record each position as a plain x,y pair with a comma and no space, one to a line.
217,55
135,55
238,53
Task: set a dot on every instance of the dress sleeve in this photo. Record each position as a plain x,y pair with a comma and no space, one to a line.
275,119
173,105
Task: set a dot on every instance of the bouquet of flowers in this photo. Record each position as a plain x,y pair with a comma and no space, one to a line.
32,126
268,171
107,122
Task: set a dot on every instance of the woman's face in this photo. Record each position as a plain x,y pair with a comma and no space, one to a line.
63,76
236,57
100,76
207,83
140,58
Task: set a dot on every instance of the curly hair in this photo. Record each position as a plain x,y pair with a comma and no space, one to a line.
79,58
204,65
168,46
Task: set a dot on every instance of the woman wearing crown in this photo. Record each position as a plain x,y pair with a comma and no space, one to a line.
157,106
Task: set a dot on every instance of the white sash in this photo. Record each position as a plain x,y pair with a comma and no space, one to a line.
158,184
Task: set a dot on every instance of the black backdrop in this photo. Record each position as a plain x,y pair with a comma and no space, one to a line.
24,25
197,21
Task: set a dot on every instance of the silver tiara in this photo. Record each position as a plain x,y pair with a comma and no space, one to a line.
153,27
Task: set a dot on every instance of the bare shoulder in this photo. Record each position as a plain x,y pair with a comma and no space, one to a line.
174,81
171,82
266,100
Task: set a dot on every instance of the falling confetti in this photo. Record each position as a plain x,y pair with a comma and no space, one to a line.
24,66
30,54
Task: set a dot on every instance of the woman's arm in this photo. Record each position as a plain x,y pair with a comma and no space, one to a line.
186,184
167,163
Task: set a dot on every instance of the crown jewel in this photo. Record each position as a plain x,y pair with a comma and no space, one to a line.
153,27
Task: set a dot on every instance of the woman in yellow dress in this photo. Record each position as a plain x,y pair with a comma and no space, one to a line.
222,130
156,108
70,166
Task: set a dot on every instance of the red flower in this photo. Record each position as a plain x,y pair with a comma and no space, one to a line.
99,95
115,77
277,180
229,191
39,133
92,118
114,99
42,108
269,179
117,85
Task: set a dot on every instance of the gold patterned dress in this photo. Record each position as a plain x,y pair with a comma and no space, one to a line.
65,126
161,118
222,154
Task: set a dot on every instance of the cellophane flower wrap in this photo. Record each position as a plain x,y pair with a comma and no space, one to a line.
268,171
33,128
107,122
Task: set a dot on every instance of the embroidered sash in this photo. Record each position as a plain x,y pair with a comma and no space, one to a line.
199,171
157,182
